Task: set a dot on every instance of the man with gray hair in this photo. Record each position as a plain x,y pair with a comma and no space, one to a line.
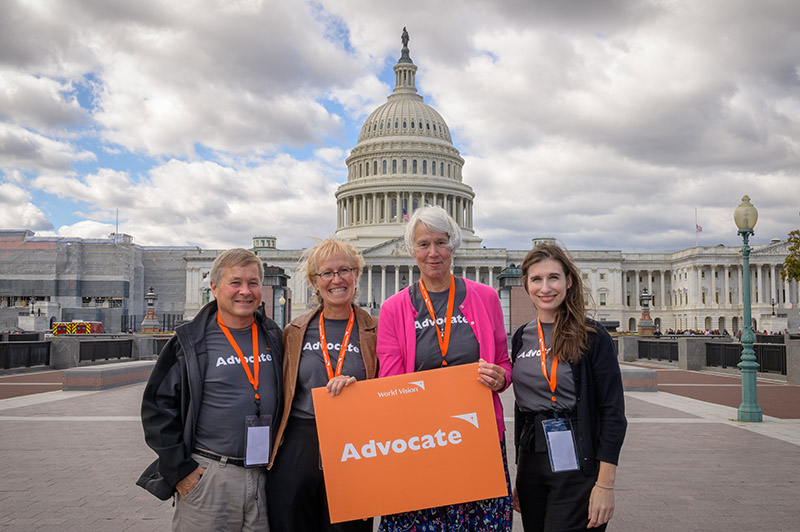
208,406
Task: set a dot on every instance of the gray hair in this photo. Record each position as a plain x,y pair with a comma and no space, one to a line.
436,219
232,258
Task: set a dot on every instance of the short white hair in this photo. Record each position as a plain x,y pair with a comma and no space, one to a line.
436,219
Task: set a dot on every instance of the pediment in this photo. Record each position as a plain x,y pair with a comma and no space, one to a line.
394,247
780,249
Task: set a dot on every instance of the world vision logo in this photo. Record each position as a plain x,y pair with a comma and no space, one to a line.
413,387
416,443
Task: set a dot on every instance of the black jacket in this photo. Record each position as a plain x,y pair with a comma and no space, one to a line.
600,401
174,393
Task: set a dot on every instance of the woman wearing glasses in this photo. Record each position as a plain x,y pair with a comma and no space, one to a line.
444,320
333,346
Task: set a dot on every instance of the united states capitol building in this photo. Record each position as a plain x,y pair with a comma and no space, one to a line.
404,159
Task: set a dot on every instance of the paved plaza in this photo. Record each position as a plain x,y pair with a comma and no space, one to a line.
70,459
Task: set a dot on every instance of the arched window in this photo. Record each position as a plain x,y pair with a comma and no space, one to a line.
428,126
395,124
433,167
367,170
441,169
404,124
420,124
412,124
360,169
381,126
424,167
414,166
394,166
375,168
384,166
405,166
434,127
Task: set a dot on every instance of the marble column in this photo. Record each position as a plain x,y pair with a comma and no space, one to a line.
713,300
726,272
369,285
772,284
741,292
383,283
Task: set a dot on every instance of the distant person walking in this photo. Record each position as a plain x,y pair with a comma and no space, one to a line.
569,409
218,377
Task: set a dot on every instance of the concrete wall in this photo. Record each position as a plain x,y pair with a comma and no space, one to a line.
793,361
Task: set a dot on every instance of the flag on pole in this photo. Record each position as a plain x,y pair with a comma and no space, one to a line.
405,215
697,228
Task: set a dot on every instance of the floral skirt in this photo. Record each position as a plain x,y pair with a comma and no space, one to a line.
477,516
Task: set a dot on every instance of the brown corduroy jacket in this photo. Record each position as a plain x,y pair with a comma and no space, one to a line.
293,336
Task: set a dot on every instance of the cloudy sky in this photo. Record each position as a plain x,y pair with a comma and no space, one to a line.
602,123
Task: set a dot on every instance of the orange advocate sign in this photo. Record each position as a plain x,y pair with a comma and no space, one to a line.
409,442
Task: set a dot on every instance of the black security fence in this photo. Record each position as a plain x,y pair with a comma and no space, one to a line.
771,358
769,338
664,350
24,354
92,350
167,320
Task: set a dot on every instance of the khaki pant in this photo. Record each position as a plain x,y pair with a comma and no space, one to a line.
227,498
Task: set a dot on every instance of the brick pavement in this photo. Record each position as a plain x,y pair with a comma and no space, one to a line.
38,381
70,460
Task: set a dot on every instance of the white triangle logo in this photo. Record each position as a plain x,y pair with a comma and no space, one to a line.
470,418
421,384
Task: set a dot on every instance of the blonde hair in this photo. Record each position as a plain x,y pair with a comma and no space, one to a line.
323,250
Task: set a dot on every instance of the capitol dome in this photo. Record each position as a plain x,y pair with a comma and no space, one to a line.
404,159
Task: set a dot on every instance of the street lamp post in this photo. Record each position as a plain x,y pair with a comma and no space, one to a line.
745,217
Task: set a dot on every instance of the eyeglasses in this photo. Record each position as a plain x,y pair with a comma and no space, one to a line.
344,273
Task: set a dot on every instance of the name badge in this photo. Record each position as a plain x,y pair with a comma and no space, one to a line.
560,444
257,440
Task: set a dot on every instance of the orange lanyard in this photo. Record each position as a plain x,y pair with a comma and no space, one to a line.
444,340
542,356
342,350
231,340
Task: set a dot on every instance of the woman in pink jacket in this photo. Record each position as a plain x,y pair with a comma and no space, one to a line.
440,321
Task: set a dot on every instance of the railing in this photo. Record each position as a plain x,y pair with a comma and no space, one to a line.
658,350
23,337
24,354
105,350
769,338
771,358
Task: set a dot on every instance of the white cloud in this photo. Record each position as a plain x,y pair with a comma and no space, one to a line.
21,148
17,211
207,204
601,123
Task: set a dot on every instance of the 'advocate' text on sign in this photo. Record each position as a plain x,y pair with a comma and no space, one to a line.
408,442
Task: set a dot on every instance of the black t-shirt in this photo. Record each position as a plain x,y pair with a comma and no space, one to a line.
312,373
228,395
531,389
464,347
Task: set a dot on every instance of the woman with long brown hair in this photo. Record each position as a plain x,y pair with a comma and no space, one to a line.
569,409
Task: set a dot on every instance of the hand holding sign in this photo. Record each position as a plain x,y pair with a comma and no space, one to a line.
408,442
